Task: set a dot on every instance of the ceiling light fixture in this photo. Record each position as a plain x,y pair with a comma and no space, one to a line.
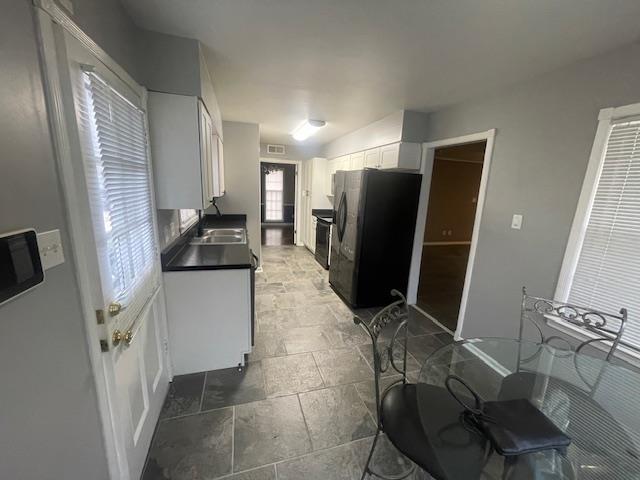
307,128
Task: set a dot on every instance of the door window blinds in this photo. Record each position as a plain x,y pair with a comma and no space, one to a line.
274,187
607,273
117,171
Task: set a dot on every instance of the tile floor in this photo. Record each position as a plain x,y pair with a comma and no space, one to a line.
304,405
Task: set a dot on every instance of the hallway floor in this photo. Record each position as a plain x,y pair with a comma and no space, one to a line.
303,407
442,273
277,235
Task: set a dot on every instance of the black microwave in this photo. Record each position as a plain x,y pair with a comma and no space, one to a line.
20,265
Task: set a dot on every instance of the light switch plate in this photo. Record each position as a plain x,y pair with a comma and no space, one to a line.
50,247
516,221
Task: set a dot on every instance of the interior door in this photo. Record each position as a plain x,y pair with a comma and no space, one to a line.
305,217
102,110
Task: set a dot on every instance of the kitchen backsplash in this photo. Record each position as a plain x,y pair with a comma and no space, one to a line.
168,227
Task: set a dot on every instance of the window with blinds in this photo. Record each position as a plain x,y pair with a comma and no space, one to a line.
117,171
274,195
607,271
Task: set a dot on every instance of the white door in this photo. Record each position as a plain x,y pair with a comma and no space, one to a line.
117,242
305,207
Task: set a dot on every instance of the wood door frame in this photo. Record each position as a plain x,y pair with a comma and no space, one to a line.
428,154
50,16
298,195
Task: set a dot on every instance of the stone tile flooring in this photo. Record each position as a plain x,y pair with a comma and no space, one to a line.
304,405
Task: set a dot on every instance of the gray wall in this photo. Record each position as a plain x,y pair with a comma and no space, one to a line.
108,24
381,132
545,133
242,176
49,424
403,125
169,63
293,152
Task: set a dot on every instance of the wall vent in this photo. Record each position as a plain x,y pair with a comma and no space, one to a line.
276,149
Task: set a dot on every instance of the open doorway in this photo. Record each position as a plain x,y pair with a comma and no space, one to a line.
278,203
453,196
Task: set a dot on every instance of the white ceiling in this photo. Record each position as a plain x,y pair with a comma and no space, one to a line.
350,62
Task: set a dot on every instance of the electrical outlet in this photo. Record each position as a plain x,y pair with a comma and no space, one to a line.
516,221
50,248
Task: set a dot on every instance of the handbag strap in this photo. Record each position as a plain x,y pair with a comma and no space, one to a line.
477,409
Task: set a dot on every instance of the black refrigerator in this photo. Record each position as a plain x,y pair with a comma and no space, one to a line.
374,218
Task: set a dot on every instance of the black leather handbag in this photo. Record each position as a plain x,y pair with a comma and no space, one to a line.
513,427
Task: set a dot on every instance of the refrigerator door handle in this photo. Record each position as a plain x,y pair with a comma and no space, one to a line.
345,209
340,219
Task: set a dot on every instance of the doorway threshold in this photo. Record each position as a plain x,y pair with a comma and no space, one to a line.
433,319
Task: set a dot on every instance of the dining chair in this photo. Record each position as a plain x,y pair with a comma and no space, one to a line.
547,316
397,413
574,410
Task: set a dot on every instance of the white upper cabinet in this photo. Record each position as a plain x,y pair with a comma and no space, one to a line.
186,152
372,158
342,163
356,161
400,155
331,169
403,155
389,156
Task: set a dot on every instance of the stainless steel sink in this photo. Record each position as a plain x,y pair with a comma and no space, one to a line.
221,236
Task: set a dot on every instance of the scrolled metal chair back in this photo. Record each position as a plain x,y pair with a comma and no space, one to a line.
391,319
605,328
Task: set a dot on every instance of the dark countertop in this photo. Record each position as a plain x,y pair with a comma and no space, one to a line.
324,214
180,256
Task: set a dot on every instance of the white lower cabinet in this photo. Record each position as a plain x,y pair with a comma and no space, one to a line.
209,317
312,234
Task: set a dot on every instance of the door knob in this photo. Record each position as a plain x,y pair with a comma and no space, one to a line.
115,308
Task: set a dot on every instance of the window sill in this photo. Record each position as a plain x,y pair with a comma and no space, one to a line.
623,352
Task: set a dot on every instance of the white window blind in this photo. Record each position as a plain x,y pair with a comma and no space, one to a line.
607,273
118,178
274,187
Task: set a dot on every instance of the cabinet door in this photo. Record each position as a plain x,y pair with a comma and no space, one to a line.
345,162
312,235
331,169
372,158
217,166
356,161
206,156
389,156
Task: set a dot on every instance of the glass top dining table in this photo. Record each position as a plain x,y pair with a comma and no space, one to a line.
596,403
